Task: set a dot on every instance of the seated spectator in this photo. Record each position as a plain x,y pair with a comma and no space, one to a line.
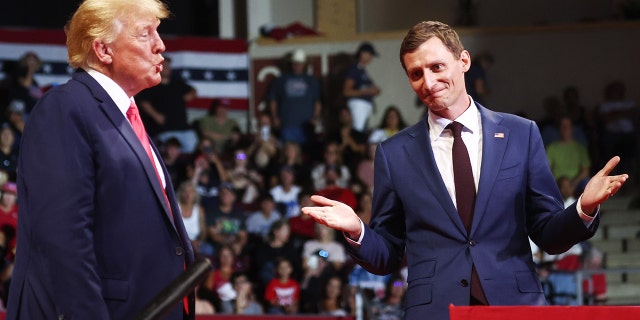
282,293
317,271
286,192
175,161
208,174
364,170
594,285
325,241
567,157
217,125
303,227
245,301
246,180
332,158
292,157
266,254
391,124
259,222
333,302
226,222
390,307
16,119
217,288
9,216
334,191
192,213
264,151
8,154
352,143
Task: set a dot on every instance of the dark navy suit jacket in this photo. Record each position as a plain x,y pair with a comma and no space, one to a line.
96,239
517,196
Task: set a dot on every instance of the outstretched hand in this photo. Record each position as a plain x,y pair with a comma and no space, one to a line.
334,214
602,186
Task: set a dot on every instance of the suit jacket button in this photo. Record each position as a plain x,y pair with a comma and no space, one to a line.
464,283
472,243
179,251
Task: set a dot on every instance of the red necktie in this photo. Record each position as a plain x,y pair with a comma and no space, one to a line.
133,114
465,196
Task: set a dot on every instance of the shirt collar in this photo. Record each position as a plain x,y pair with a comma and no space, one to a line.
470,119
114,91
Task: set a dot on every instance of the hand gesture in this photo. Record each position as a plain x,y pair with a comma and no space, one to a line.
602,186
334,214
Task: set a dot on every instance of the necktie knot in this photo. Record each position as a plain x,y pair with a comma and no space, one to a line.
456,128
133,110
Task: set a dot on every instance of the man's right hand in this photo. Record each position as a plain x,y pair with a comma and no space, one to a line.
336,215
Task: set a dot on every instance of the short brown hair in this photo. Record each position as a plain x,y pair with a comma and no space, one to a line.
425,30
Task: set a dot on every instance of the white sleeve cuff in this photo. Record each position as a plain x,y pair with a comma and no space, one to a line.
585,217
352,241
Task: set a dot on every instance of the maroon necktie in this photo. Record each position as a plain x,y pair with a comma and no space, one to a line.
465,196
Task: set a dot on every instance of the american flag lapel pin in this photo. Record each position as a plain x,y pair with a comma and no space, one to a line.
499,135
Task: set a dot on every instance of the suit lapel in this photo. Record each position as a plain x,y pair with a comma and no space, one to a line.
122,125
494,143
420,149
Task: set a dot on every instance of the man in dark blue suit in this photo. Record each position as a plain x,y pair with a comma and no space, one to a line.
100,232
416,203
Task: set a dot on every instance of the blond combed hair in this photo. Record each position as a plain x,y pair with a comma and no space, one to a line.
104,19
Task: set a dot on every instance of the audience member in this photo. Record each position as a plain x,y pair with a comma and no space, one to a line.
265,253
317,271
217,288
26,88
264,151
390,307
619,115
476,77
391,123
16,120
259,222
333,302
217,125
364,170
192,213
175,161
165,108
226,222
294,101
293,157
567,157
333,191
9,216
283,292
324,241
332,158
302,225
359,88
351,142
285,194
208,173
8,154
245,302
247,181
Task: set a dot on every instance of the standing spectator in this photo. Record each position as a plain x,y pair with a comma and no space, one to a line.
285,194
165,106
217,125
359,88
283,292
192,213
259,222
294,101
8,154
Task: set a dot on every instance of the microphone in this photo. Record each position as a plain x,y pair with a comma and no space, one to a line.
171,295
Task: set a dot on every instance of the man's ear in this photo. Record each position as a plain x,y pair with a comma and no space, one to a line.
103,52
465,60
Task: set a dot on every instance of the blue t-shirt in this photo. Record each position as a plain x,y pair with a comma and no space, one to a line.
296,96
360,78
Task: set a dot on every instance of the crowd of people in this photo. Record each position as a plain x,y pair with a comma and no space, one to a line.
240,193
